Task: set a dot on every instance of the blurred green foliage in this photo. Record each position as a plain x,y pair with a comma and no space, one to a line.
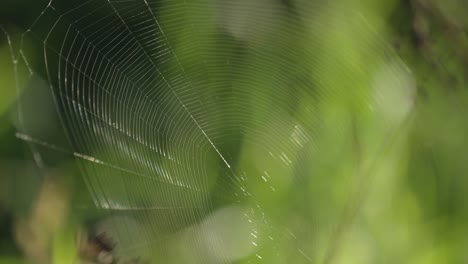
337,128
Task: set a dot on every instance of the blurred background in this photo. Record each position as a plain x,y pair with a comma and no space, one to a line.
247,131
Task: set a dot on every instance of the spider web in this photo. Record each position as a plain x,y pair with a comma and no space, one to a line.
180,116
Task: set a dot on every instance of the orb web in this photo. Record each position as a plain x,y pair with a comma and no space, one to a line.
180,116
